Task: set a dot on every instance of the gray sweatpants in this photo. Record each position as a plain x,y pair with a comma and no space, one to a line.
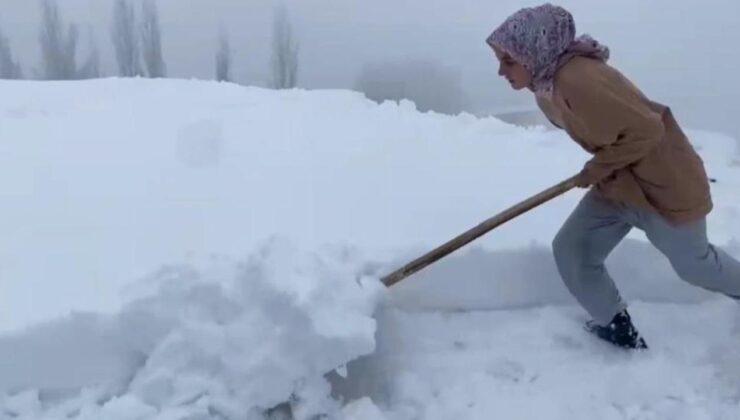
597,226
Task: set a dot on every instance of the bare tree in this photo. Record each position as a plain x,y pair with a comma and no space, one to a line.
9,68
223,58
151,40
125,39
284,52
90,69
58,44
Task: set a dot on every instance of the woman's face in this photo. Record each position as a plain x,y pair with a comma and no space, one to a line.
516,74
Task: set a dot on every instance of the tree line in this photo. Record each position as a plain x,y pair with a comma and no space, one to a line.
68,53
136,37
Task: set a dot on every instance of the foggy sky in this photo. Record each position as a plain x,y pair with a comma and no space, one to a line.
680,52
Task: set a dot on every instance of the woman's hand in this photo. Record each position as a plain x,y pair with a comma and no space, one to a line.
583,180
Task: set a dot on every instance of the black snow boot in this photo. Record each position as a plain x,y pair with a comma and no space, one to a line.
619,332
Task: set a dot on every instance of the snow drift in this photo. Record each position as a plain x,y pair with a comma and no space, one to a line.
180,249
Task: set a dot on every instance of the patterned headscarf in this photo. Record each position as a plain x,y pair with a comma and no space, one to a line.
542,39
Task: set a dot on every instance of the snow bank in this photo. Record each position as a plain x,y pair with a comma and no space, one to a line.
225,339
105,180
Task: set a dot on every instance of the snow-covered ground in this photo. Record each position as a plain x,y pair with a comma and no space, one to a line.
195,250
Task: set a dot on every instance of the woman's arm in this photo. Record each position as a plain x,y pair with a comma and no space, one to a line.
617,121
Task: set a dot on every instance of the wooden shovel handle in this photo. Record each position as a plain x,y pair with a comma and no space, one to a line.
478,231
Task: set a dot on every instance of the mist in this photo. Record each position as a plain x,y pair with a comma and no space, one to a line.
679,52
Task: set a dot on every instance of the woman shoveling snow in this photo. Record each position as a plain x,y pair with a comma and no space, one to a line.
644,172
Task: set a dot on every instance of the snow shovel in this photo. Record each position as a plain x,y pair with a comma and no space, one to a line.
478,231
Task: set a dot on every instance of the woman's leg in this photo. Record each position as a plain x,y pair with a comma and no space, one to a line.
693,258
582,245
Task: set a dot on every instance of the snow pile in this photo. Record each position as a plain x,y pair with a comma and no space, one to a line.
216,341
105,180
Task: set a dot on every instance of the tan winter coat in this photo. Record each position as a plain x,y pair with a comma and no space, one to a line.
641,156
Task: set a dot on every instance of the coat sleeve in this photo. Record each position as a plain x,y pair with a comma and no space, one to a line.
619,124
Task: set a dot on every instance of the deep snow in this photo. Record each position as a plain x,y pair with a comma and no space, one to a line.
181,249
